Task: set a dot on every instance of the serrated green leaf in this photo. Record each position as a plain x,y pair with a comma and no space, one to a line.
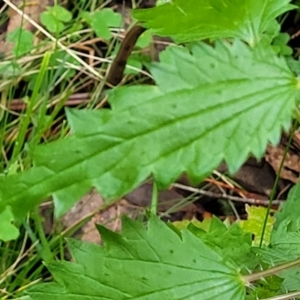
183,224
233,244
186,20
291,280
265,288
151,264
281,42
210,105
289,210
255,222
284,245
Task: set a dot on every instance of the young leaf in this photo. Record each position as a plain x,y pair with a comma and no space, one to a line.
190,20
254,224
101,21
151,264
210,105
291,279
284,246
23,40
55,17
8,230
232,243
289,210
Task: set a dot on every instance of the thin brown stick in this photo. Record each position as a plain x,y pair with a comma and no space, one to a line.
73,100
117,68
225,196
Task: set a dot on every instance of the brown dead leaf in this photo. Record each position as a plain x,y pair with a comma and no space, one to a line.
110,217
291,165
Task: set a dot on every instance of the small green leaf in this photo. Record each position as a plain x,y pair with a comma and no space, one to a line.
204,225
86,16
55,17
265,288
291,280
7,230
23,40
281,41
135,62
284,245
9,69
60,13
51,23
145,39
154,264
111,18
289,210
254,224
232,243
101,29
101,21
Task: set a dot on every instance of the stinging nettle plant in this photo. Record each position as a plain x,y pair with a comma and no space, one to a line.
209,104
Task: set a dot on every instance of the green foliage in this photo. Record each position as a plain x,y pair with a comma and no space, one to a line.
211,103
102,20
284,245
288,213
266,287
55,17
135,264
233,244
6,220
157,263
280,44
161,262
196,100
10,69
23,41
60,62
254,224
246,20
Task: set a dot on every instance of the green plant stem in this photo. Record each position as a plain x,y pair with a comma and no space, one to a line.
272,196
271,271
47,254
288,296
154,200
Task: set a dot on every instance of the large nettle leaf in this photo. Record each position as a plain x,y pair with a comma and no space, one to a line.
154,263
190,20
209,105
